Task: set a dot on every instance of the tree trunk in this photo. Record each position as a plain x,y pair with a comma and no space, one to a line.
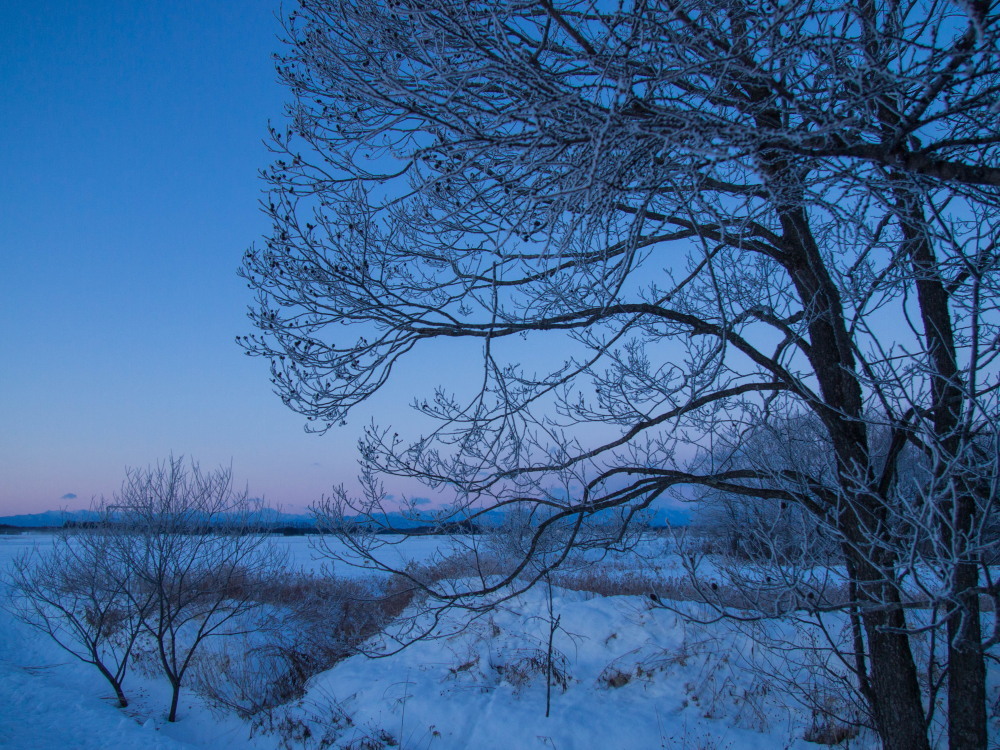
176,686
897,703
112,680
966,667
895,699
893,690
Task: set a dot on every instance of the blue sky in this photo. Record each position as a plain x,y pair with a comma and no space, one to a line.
132,136
131,141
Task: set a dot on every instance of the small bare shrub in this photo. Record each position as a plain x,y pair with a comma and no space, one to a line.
613,677
248,681
464,666
378,740
829,731
316,725
831,716
524,666
75,593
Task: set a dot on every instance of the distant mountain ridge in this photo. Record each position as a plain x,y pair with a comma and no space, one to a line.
57,518
49,518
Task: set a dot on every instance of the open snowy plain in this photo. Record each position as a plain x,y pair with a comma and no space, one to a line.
627,674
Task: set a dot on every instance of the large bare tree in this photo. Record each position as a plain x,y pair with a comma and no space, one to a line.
712,215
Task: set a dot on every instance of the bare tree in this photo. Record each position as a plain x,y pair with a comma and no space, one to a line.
76,594
714,215
194,556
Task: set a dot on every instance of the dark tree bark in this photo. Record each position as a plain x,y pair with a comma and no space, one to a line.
895,695
967,718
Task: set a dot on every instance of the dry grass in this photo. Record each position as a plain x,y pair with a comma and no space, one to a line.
617,578
457,566
614,581
318,621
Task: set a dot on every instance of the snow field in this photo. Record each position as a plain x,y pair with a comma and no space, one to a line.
627,675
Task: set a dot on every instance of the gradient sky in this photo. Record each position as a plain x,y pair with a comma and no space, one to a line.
132,136
131,141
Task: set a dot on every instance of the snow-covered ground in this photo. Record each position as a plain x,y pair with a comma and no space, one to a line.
627,675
